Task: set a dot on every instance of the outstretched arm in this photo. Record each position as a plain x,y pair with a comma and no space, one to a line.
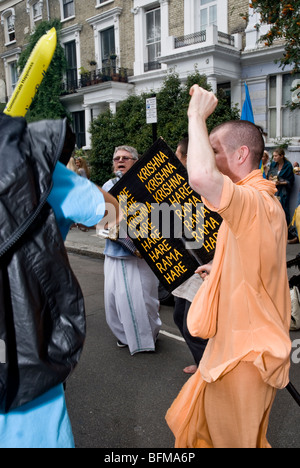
113,213
204,177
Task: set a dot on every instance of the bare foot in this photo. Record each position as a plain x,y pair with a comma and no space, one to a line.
190,369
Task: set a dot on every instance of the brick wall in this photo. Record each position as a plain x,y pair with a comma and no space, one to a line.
126,34
235,22
176,18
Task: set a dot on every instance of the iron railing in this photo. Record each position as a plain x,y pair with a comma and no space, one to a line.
94,77
190,39
150,66
199,37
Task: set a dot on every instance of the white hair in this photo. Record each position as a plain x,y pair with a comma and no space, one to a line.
129,149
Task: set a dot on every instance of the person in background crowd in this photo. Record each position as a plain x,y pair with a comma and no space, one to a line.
281,172
82,167
185,294
266,162
130,286
295,224
297,172
181,151
72,165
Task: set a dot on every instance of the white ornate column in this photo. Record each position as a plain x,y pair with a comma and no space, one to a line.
117,36
212,80
88,120
164,23
138,40
113,107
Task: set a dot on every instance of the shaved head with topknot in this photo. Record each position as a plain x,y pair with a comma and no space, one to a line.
239,133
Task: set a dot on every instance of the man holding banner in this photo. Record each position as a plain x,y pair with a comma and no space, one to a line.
243,306
130,287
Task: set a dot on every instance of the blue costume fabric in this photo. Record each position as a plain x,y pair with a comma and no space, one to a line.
44,422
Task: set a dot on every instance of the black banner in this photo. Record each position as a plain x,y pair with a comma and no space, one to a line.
164,217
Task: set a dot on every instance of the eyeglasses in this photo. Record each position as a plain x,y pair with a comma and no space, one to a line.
124,158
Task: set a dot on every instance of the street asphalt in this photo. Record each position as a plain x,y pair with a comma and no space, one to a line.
118,401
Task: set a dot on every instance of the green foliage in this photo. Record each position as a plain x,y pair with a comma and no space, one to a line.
129,127
46,104
223,112
283,16
284,20
105,136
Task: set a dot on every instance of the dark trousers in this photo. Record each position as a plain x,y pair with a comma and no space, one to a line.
196,345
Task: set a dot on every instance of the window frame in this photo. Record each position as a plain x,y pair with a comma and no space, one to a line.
62,10
30,9
10,58
72,68
39,11
78,126
13,68
70,34
192,15
207,7
103,3
100,23
279,107
5,17
156,43
105,57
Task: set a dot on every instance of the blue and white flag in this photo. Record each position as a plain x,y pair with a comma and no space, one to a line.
247,111
247,114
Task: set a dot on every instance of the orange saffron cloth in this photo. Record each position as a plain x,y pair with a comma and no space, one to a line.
243,306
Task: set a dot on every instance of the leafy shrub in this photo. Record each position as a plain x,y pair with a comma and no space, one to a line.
128,126
47,104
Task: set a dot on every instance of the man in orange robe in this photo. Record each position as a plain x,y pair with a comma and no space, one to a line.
243,306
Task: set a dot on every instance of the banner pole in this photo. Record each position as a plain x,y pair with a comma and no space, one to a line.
291,389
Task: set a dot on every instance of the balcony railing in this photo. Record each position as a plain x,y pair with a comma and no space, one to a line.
107,73
190,39
202,36
225,39
150,66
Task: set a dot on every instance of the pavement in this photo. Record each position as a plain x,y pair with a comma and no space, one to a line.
85,242
109,404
